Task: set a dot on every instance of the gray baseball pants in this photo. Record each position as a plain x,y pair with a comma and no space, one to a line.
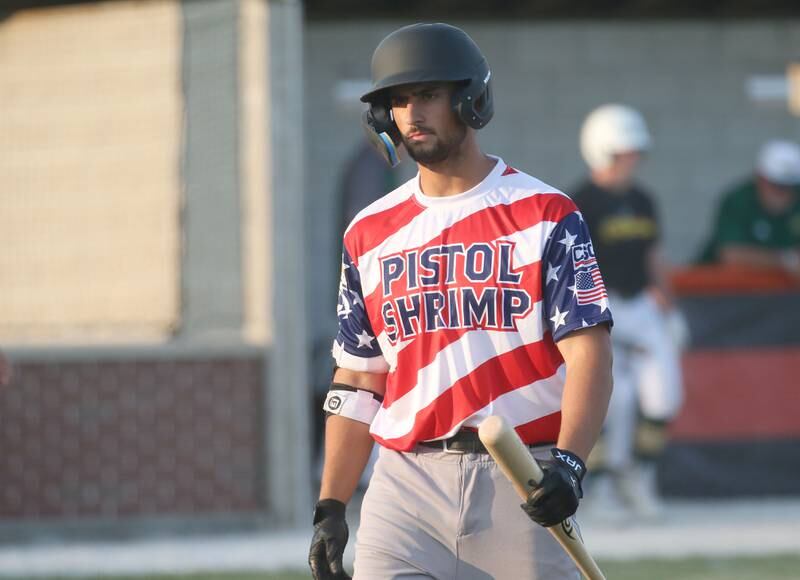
451,516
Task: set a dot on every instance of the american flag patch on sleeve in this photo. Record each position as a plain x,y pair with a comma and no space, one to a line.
589,287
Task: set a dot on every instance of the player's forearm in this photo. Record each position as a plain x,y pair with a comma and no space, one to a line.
587,390
751,256
347,448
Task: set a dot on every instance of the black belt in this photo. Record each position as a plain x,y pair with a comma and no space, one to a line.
464,441
467,441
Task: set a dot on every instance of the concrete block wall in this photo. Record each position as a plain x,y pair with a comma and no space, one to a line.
687,77
90,148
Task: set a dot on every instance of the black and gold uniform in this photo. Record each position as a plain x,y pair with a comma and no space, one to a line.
624,227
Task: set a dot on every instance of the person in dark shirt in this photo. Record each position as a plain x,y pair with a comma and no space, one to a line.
626,233
624,226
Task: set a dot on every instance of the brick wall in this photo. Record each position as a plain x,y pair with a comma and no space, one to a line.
131,438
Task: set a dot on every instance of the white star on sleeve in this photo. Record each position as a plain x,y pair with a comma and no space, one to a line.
343,308
365,340
603,304
356,300
559,319
584,324
552,273
574,291
569,240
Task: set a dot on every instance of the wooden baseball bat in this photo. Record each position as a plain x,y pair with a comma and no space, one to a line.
519,466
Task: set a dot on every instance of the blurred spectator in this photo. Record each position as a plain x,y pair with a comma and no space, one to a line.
365,178
5,370
626,233
758,223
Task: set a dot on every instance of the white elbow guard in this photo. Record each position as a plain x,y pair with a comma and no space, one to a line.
356,404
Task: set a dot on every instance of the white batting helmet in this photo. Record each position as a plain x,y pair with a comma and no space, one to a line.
612,129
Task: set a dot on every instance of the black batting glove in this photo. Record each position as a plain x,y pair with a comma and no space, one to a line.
328,542
557,495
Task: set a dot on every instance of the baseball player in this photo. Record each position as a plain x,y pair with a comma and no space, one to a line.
647,376
471,290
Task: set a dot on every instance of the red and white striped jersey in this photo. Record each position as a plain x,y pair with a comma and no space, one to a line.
461,300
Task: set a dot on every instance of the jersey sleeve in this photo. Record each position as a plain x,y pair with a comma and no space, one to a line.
356,347
574,294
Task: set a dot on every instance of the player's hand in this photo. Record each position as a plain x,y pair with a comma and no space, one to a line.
328,542
557,495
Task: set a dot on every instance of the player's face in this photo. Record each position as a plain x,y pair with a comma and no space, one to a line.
430,129
775,198
625,166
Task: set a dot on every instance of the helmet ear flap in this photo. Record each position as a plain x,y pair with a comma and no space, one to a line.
473,102
381,132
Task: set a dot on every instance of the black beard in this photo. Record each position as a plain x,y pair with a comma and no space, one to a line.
440,151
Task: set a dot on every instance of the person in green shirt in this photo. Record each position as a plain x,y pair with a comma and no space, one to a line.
758,223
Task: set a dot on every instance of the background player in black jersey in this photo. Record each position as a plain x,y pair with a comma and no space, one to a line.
625,229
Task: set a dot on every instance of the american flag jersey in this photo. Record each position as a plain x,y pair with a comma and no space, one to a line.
461,299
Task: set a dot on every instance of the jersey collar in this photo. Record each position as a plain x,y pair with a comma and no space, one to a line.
480,189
